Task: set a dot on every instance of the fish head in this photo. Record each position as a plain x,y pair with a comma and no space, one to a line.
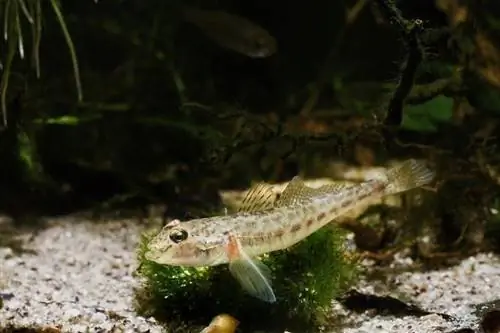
185,244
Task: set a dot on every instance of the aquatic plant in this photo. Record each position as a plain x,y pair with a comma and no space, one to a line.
12,11
306,278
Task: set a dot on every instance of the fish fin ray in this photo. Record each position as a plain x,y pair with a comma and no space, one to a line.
258,198
332,188
297,191
294,192
252,280
408,175
252,275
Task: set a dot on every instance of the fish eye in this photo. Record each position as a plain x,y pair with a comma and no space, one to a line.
178,235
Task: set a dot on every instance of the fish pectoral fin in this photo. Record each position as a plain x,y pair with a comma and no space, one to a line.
258,198
254,277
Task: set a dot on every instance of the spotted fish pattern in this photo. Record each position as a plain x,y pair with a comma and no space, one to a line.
265,224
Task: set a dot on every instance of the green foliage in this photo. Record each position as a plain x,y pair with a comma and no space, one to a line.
76,70
305,278
153,70
31,10
425,117
28,156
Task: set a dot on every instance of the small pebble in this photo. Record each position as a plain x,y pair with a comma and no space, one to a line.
71,314
98,317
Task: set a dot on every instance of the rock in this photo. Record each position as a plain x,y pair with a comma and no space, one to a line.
491,322
72,314
98,317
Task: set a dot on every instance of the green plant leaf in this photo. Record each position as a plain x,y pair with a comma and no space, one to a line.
424,117
66,120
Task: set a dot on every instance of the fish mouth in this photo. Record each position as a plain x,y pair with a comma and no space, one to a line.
165,259
151,256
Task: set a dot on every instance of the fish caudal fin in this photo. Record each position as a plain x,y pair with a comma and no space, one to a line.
252,275
408,175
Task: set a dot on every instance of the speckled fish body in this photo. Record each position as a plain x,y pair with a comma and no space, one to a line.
280,227
265,225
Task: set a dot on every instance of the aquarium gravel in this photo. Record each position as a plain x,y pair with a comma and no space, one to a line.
81,279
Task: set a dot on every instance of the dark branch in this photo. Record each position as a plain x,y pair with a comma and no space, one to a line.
410,33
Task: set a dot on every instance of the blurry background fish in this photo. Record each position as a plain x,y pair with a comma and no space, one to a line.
232,31
222,323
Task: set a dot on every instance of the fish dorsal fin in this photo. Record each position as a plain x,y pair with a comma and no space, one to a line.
296,191
260,197
332,188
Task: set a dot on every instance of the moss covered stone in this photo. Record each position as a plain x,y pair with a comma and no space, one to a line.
306,278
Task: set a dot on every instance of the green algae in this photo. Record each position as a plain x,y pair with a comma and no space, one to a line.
306,278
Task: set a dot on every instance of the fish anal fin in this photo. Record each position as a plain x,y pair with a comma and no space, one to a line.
253,276
258,198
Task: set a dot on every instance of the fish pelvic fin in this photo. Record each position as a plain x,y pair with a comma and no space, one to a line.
408,175
253,276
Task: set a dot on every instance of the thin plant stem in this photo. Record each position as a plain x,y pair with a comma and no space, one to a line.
19,32
5,78
37,36
71,47
36,33
25,11
6,20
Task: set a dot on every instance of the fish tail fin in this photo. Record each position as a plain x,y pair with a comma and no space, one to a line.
408,175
